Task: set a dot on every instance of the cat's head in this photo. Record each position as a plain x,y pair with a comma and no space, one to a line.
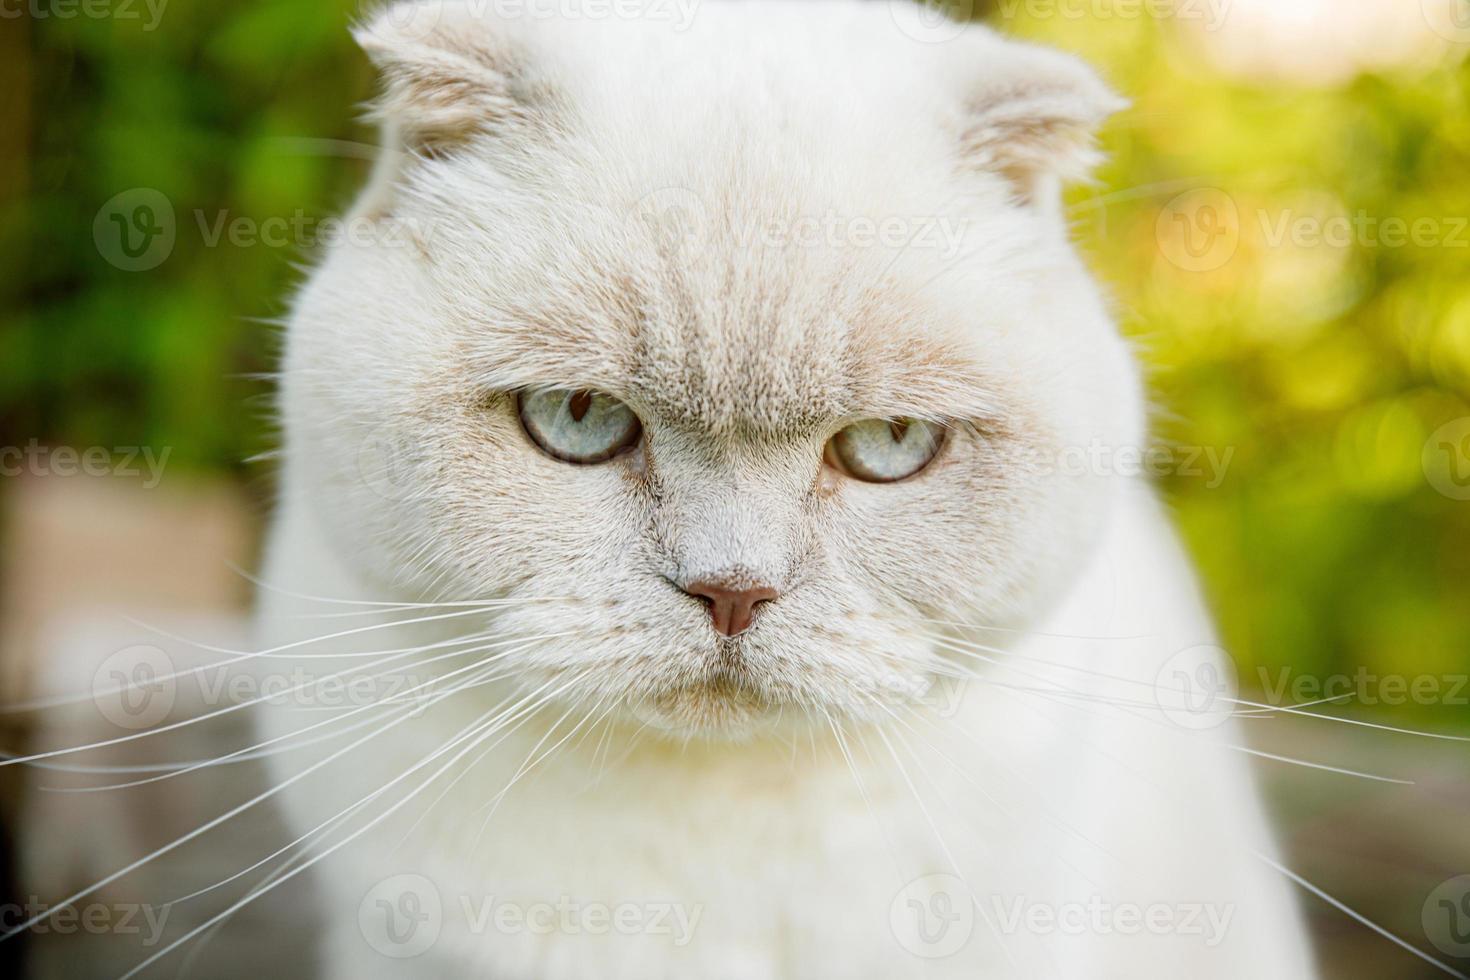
743,349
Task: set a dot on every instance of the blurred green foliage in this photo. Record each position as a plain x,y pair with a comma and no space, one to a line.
1322,368
1316,340
203,108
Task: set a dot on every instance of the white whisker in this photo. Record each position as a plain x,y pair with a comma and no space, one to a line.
1177,730
1359,917
239,755
211,824
1259,709
343,814
72,699
227,709
280,651
943,846
232,909
261,583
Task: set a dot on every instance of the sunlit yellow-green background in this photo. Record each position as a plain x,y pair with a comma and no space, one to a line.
1326,362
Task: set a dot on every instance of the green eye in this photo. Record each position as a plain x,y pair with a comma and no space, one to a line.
883,450
578,426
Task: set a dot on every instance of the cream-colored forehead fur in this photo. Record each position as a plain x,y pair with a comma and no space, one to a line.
732,133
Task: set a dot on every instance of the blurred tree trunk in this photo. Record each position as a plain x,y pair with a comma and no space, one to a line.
15,150
15,143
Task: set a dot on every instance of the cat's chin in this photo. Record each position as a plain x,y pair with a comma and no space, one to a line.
720,707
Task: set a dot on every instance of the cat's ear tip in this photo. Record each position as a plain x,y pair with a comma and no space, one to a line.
379,25
445,70
399,25
1032,70
1032,111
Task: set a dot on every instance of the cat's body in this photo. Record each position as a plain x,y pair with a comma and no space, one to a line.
822,795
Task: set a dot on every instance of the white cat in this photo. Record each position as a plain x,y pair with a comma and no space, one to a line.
719,405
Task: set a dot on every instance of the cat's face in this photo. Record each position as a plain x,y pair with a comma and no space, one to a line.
741,259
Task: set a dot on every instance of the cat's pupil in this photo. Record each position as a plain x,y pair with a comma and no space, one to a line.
898,428
580,402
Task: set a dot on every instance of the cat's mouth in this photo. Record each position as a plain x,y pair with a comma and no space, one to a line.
725,702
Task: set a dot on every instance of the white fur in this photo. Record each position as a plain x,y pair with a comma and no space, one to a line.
525,155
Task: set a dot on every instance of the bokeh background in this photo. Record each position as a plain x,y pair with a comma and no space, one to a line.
1283,219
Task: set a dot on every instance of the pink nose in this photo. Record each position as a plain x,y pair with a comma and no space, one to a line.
731,607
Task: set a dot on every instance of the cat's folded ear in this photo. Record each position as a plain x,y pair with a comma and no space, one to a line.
447,73
1030,114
